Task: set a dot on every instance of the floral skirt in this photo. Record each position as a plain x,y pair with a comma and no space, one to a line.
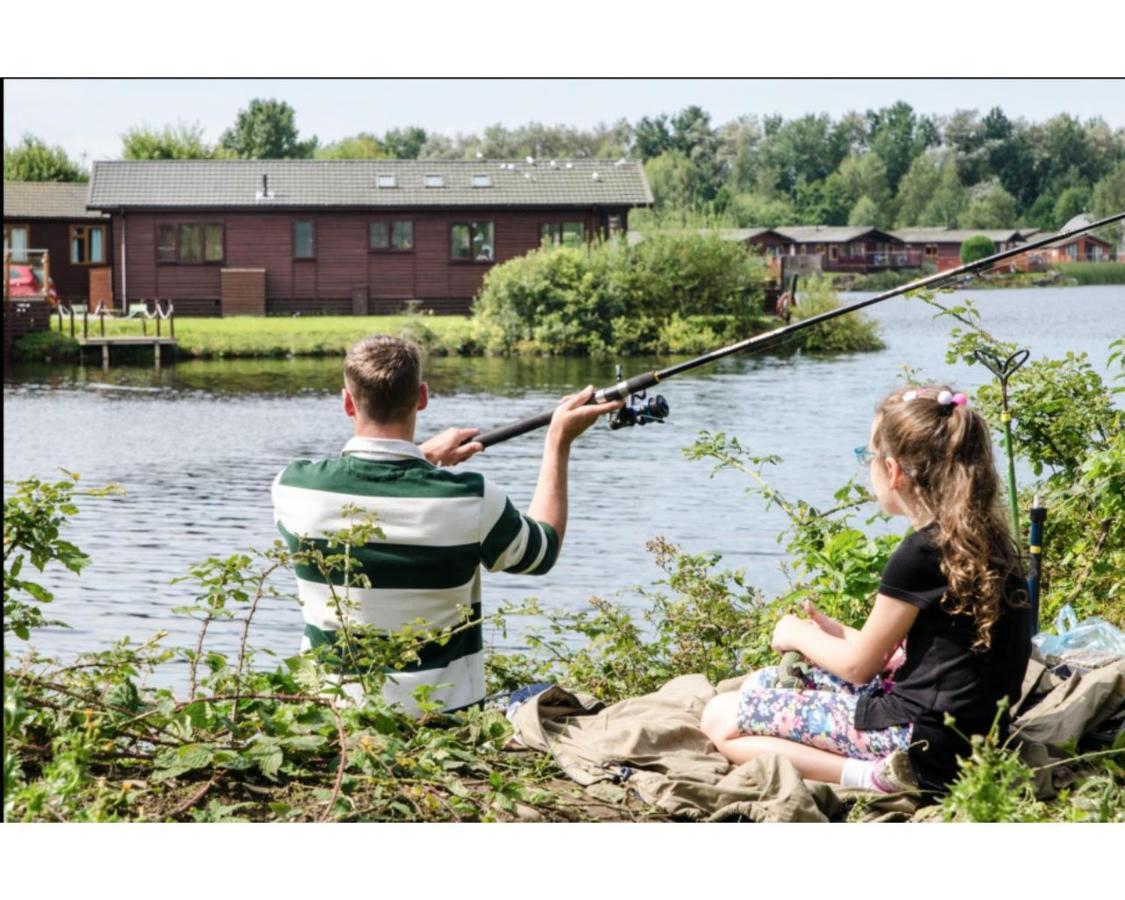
822,714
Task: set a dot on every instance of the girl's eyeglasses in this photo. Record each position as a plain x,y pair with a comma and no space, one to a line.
865,457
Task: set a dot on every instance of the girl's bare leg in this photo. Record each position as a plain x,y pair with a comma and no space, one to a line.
719,723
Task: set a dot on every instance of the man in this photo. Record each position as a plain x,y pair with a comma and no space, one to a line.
439,527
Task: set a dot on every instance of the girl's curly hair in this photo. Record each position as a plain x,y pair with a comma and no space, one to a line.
946,452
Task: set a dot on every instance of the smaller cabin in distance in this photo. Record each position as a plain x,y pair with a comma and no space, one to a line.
52,216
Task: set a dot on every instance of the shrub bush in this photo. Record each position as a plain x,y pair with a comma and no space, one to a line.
977,247
45,346
613,296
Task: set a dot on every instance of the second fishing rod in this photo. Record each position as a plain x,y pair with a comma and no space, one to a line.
655,409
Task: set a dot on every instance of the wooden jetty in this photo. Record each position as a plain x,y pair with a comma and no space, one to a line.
127,340
156,341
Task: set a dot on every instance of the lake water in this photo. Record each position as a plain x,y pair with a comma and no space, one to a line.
197,445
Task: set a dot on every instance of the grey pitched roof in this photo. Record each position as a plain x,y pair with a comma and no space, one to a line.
1079,221
954,235
47,200
352,183
829,234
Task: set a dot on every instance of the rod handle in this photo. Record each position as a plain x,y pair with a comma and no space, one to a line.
515,429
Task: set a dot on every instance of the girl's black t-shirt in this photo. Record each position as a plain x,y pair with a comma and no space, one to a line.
942,674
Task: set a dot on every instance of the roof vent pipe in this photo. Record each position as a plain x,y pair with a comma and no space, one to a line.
265,185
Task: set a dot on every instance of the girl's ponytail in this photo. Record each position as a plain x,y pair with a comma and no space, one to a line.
947,449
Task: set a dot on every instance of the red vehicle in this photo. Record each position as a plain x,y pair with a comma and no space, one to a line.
23,281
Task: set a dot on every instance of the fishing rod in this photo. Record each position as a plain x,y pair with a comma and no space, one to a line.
642,409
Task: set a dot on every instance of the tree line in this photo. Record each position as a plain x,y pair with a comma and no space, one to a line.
888,167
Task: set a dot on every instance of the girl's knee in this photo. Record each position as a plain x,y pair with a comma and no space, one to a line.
718,721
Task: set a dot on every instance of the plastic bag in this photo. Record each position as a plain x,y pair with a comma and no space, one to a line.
1092,638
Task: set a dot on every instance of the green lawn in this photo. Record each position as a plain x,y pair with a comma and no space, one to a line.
249,336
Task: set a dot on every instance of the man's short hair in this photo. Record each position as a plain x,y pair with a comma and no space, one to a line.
383,374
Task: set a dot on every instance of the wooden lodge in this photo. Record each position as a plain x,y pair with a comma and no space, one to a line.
332,236
861,250
1083,248
52,216
941,247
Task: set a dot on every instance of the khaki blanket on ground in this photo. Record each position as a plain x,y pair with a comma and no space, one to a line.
652,744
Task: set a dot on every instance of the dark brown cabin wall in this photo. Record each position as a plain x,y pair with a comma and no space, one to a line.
72,282
342,262
262,242
341,254
391,275
432,256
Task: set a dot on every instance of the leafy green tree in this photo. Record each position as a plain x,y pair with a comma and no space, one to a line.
1041,213
865,212
836,201
405,143
181,141
1009,156
736,146
917,188
849,135
964,133
990,206
753,210
801,149
267,129
948,202
1071,202
360,146
866,176
671,177
1109,196
977,247
33,160
652,137
897,138
1062,153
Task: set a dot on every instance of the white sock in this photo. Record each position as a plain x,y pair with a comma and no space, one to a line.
857,774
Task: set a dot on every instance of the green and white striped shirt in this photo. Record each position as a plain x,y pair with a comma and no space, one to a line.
439,526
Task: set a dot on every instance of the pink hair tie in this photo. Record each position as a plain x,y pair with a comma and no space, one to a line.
960,399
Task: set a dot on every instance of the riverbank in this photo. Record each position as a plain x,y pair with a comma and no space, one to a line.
254,337
1078,274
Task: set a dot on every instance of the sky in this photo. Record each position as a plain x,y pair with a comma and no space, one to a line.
88,117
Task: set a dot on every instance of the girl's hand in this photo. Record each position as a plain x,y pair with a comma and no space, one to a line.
825,623
787,633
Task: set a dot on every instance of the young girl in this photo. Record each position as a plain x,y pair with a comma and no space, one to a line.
953,590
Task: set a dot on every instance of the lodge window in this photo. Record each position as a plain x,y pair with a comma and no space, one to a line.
16,239
566,234
833,251
472,241
188,243
87,244
615,224
396,235
857,249
931,251
304,239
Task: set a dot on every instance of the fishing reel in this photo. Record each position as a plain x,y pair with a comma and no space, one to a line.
640,410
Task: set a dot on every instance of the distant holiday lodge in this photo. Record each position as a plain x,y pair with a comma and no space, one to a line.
344,236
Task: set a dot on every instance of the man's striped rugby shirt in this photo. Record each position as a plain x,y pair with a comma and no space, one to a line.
439,526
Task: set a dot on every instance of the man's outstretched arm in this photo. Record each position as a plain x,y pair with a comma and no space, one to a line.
573,416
